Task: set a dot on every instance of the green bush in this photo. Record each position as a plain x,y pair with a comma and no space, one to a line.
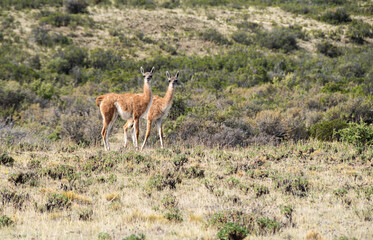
22,4
358,134
60,19
328,130
358,30
135,237
215,36
45,37
279,38
328,49
5,221
268,226
6,160
76,6
232,231
242,37
338,16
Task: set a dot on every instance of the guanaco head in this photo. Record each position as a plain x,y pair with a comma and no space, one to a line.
147,75
172,80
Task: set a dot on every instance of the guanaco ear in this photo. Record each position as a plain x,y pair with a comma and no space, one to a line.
152,71
168,75
177,75
142,71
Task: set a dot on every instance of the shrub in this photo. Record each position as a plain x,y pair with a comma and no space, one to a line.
268,226
279,38
76,6
297,186
43,36
358,30
269,122
232,231
5,221
261,190
328,49
59,19
135,237
242,37
215,36
358,134
85,215
338,16
328,130
55,201
104,59
6,160
104,236
15,198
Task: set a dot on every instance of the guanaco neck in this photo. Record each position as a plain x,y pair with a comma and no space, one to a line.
148,95
169,94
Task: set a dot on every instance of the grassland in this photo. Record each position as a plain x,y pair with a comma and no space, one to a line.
270,134
300,189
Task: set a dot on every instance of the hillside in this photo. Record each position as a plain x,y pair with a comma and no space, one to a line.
270,129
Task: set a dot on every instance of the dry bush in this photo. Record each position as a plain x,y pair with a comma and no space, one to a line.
293,124
269,122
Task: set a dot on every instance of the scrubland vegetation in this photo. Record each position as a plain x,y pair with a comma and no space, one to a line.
269,137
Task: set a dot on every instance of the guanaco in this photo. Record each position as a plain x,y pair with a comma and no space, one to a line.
130,106
159,109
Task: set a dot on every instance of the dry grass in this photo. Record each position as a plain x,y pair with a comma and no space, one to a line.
124,206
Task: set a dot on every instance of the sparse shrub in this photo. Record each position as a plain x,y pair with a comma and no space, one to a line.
365,214
232,231
358,134
288,211
43,36
341,192
245,25
328,130
76,6
60,171
261,190
173,215
161,181
15,198
345,238
22,177
104,59
179,160
220,219
60,19
104,236
85,215
215,36
55,201
328,49
358,30
269,122
135,237
168,48
297,186
368,192
338,16
279,39
268,226
171,4
6,160
242,37
195,172
5,221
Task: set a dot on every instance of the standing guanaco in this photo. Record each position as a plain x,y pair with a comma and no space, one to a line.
130,106
159,109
